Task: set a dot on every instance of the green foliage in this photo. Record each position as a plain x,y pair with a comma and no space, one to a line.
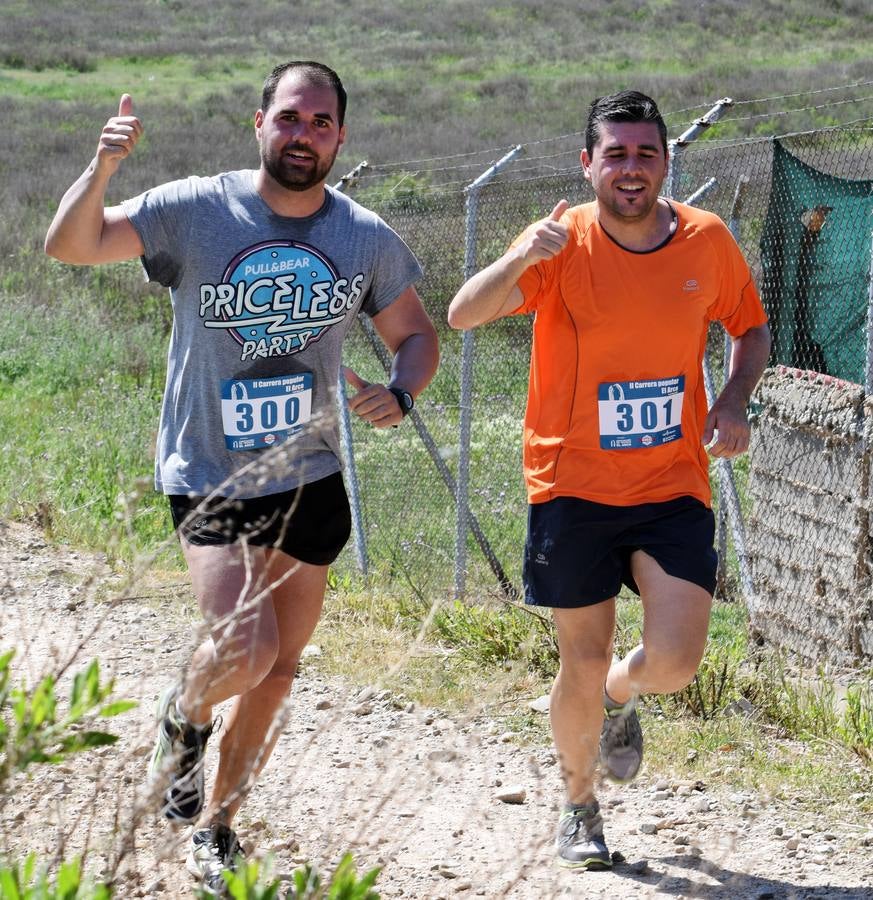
499,633
856,728
812,707
344,885
254,880
27,882
33,731
251,881
82,388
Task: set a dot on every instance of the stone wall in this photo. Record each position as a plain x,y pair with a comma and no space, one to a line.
808,517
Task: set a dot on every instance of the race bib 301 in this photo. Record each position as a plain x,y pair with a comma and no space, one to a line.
640,414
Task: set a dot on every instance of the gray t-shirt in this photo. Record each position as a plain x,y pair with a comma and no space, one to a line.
261,305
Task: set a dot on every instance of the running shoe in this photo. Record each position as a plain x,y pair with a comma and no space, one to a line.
177,760
579,841
621,742
213,850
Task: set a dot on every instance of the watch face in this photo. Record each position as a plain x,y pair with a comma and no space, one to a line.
404,399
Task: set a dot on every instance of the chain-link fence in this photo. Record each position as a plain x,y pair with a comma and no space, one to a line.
409,478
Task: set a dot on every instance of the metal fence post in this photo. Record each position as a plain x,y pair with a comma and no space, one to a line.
351,476
345,424
723,501
728,493
466,399
675,147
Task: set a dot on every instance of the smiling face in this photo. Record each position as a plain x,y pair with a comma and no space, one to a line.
626,168
299,135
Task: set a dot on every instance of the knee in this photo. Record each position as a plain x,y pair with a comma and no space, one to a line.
252,658
585,668
670,669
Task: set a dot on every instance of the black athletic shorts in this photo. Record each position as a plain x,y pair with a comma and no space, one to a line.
578,553
311,523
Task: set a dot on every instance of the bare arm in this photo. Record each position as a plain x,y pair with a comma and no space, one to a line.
410,336
84,231
494,292
728,413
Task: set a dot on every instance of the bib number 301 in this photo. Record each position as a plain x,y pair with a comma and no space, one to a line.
640,414
261,412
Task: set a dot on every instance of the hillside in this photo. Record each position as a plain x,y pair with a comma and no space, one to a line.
425,79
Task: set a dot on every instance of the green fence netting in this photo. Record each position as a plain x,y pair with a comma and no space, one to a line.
815,259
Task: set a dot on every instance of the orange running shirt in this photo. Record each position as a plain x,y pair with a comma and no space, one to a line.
616,401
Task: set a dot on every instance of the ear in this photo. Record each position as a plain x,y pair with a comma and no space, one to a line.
585,159
259,121
342,135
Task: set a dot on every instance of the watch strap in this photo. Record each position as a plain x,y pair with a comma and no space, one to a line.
404,400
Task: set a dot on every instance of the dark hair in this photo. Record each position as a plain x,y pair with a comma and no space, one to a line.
625,106
314,73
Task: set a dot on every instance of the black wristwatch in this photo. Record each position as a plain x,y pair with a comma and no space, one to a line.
404,400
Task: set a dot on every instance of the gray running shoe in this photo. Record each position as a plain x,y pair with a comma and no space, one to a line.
621,742
177,760
213,850
579,841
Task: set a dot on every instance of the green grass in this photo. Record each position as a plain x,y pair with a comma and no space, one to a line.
79,398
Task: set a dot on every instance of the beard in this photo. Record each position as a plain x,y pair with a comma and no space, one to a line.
295,177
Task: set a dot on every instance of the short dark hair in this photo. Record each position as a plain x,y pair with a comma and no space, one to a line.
625,106
315,73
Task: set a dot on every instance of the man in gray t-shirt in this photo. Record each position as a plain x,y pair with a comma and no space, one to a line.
266,270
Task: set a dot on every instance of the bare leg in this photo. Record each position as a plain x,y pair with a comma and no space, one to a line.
231,585
576,709
676,619
249,736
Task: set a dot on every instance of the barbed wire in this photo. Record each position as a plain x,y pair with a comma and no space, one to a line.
841,87
502,150
475,165
787,112
716,143
456,186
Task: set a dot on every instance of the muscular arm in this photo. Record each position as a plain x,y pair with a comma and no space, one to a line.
410,336
84,231
494,292
728,414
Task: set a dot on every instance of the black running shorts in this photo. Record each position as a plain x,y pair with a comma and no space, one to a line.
578,553
311,523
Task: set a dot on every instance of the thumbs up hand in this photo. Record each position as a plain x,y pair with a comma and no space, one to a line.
374,403
119,136
547,237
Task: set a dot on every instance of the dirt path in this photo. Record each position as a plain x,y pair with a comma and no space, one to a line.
358,769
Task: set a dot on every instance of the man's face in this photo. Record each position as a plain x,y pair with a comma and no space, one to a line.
299,135
627,168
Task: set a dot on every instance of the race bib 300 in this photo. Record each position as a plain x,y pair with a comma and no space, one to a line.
261,412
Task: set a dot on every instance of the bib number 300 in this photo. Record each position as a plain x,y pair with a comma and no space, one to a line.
640,414
261,412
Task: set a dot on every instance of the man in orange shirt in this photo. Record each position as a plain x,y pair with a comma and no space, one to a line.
616,435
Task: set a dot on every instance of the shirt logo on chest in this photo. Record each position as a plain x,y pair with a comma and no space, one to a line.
691,285
277,297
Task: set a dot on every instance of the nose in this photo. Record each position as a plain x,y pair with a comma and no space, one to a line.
632,164
301,133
